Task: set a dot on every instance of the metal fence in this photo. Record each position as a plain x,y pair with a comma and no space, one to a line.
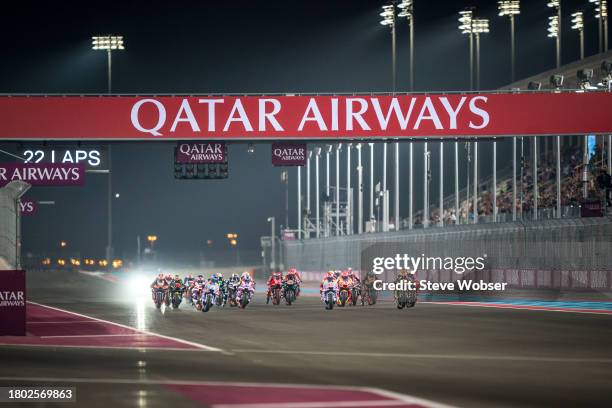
9,224
573,245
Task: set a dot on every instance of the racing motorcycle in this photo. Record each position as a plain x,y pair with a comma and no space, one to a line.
176,293
345,293
274,291
244,295
329,296
160,294
196,296
355,292
210,295
222,297
406,298
290,288
369,295
232,290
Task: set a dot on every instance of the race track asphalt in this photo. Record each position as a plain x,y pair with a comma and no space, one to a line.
456,355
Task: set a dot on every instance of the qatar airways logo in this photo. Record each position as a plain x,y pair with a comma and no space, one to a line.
295,116
12,299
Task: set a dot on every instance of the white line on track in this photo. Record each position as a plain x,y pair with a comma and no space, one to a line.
145,348
60,322
602,360
533,308
190,343
405,399
318,404
94,335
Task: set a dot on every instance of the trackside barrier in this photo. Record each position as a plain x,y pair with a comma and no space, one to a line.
568,254
9,224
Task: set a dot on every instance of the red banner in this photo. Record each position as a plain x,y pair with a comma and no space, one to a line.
303,117
12,303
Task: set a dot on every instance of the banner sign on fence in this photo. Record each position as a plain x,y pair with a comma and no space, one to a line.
303,117
201,153
289,154
12,303
28,206
43,174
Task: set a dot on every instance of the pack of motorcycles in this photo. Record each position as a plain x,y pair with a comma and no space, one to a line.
204,297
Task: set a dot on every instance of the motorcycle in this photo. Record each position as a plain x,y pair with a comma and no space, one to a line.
232,291
222,297
176,294
274,291
196,296
406,298
244,295
345,294
330,298
159,295
369,295
210,296
290,288
355,293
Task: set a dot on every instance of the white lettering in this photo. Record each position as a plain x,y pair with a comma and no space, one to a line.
189,117
269,116
161,116
242,117
312,109
479,112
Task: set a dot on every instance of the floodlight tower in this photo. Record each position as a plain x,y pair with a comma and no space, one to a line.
554,27
109,43
389,20
510,8
406,8
479,26
578,25
465,26
601,14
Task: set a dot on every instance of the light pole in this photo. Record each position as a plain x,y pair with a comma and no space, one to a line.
109,43
554,27
601,14
371,181
308,183
338,150
578,25
359,146
349,195
425,186
272,222
406,8
510,8
410,186
299,202
389,20
318,189
465,26
328,150
479,26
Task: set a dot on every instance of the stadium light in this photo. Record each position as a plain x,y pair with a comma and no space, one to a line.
554,27
406,10
510,8
601,14
578,25
479,26
465,27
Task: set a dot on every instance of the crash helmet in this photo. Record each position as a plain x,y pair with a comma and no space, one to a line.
330,274
200,277
235,276
160,276
177,277
345,274
220,275
292,271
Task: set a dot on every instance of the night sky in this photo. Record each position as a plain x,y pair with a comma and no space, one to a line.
237,46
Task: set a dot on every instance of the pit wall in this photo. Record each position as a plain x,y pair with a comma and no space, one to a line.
568,255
